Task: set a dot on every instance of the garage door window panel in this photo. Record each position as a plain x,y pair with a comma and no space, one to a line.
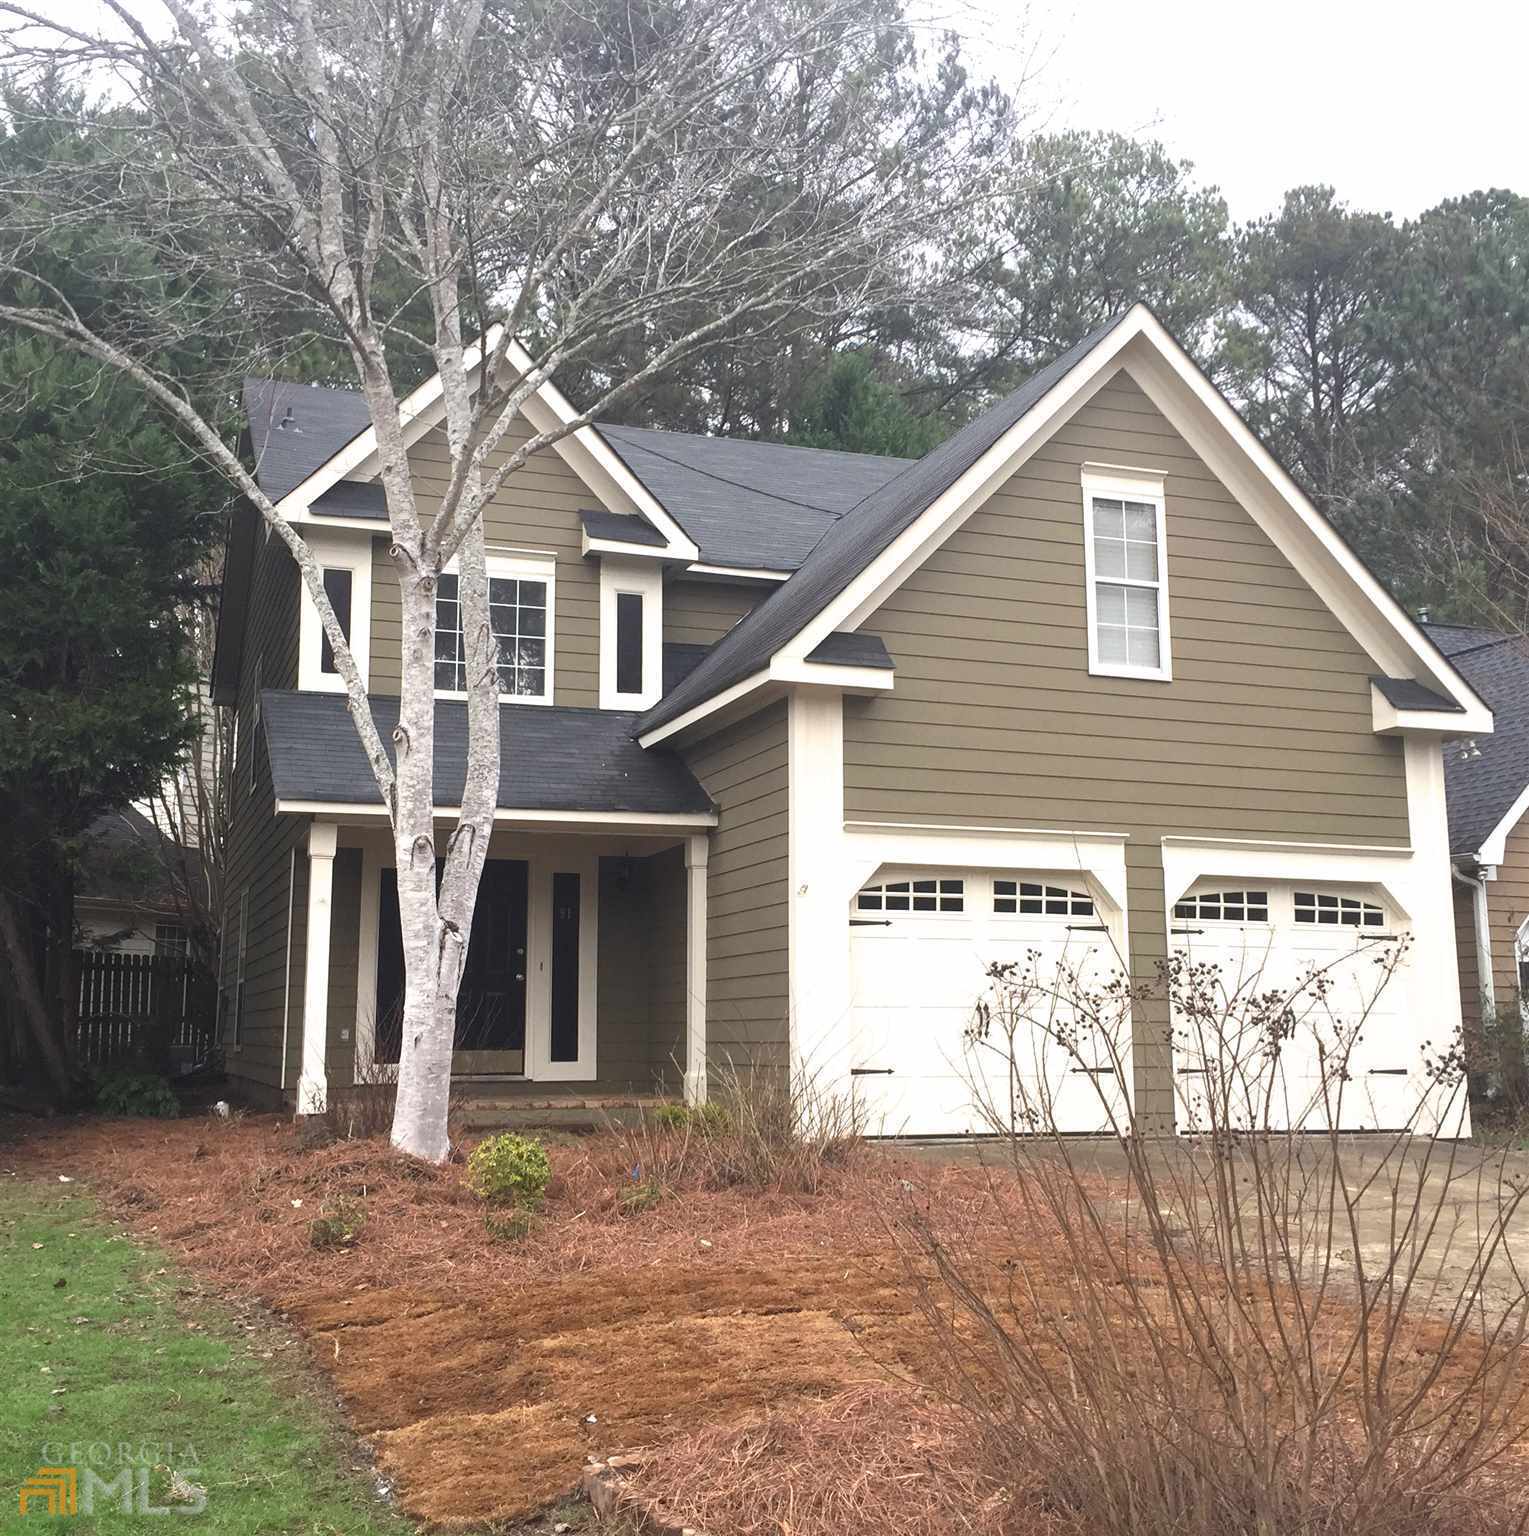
1033,898
1247,906
1327,909
923,895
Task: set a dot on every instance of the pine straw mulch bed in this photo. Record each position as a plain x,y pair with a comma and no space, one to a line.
486,1372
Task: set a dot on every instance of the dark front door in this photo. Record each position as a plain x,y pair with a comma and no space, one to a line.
491,1002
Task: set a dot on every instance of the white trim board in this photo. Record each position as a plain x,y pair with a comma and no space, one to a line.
1494,847
331,809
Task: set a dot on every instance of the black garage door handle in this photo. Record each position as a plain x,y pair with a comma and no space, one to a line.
871,1071
1387,1072
870,922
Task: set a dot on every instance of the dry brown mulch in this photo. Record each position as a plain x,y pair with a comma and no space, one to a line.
485,1372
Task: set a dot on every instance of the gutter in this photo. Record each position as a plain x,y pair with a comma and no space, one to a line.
1477,886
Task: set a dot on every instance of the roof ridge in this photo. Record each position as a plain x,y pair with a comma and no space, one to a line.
753,442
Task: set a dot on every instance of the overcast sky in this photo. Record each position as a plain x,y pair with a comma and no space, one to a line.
1396,105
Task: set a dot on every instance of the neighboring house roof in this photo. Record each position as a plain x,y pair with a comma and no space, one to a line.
1487,778
747,504
125,862
549,759
852,542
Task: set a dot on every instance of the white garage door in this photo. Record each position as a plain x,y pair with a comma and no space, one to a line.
1289,991
921,942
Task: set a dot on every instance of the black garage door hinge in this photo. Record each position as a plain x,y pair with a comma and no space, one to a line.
870,922
1093,1071
1388,1072
1186,931
871,1071
1088,928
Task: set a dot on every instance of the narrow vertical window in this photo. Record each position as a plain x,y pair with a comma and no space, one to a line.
337,586
629,642
1125,557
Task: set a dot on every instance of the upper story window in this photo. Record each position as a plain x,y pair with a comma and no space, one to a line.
631,633
520,607
1126,560
345,558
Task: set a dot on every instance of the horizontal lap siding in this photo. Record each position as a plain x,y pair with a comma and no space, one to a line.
536,509
701,612
743,769
1508,905
637,1045
260,844
665,925
1264,731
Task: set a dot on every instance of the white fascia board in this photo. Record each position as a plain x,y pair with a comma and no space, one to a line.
828,674
331,810
596,462
711,706
584,451
419,410
1494,849
1388,720
627,551
736,573
1230,448
958,501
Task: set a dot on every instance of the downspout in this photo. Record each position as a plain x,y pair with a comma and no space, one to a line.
1484,990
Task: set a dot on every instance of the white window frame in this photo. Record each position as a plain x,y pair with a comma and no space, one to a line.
337,550
644,578
1144,485
518,565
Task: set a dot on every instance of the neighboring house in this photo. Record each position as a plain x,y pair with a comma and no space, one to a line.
794,741
1488,782
123,900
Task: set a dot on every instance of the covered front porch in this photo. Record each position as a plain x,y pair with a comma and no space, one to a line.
585,976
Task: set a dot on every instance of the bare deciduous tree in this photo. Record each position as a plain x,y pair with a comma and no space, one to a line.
395,174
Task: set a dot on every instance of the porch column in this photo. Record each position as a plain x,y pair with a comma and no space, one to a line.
697,849
313,1080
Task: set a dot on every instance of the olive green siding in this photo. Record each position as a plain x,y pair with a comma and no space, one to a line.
743,768
259,856
1264,731
701,612
536,510
1507,909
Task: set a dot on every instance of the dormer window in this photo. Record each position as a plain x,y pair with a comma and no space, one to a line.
1126,561
520,592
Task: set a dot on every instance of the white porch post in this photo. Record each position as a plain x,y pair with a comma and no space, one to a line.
313,1081
697,850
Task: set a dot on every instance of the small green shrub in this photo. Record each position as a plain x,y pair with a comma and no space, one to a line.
135,1093
708,1119
509,1170
339,1227
639,1195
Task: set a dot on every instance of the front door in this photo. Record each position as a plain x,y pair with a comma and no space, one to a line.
491,1002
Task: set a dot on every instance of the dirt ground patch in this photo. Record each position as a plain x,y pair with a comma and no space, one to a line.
485,1372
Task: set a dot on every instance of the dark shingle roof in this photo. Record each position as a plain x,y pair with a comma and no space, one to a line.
600,524
1408,693
352,498
754,505
1484,776
853,542
846,648
549,759
321,423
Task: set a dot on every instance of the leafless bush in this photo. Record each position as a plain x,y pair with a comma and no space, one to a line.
365,1110
759,1130
1257,1328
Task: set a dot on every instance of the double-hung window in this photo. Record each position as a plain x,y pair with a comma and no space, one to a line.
520,597
1126,560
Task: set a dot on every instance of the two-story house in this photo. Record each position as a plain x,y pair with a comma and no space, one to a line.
794,742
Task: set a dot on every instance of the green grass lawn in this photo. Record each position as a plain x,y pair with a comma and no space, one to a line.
107,1348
